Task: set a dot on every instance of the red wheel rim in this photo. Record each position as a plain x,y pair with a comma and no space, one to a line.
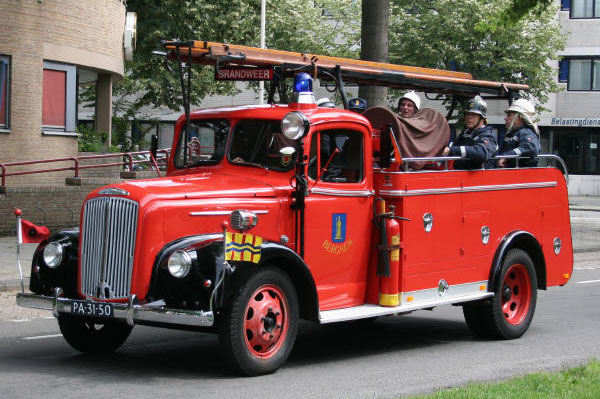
266,321
516,294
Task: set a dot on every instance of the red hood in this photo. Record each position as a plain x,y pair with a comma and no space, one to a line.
201,185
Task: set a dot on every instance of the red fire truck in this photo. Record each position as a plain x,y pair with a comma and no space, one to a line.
274,213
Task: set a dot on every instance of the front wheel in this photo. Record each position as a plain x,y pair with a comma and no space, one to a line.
258,329
89,336
509,313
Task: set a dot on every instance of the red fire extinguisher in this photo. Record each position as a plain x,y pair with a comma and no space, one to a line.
388,266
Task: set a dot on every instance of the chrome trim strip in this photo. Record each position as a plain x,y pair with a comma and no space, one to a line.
113,191
454,291
471,189
342,193
125,311
223,213
421,300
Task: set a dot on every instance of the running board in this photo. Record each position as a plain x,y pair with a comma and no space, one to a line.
366,311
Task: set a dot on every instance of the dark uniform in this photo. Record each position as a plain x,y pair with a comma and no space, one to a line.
521,142
478,145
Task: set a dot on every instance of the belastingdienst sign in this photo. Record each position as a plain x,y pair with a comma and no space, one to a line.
575,122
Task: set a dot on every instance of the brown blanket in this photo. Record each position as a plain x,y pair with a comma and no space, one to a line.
426,134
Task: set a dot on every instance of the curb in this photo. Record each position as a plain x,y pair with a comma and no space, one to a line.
13,285
586,250
584,208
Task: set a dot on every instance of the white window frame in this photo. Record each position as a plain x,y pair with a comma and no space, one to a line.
6,126
592,78
70,99
595,8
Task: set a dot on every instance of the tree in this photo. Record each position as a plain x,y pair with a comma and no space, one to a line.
374,45
520,8
475,36
322,27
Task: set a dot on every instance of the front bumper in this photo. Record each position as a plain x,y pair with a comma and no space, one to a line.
129,312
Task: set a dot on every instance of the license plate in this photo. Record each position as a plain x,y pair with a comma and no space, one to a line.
95,309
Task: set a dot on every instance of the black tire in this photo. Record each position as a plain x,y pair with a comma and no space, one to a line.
508,314
89,336
258,329
476,320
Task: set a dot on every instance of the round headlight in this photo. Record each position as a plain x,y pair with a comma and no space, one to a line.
180,263
53,254
294,125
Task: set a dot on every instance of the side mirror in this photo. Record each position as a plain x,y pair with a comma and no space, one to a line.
154,145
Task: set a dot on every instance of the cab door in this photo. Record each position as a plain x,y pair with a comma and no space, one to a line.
338,216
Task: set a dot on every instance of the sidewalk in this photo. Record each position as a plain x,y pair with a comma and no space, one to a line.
584,240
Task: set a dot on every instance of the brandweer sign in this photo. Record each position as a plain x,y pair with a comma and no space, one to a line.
575,122
238,73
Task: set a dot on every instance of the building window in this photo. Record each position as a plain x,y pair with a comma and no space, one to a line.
584,8
580,73
4,90
59,98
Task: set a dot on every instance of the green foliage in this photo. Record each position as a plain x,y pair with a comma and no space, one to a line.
478,37
519,8
577,383
323,27
90,140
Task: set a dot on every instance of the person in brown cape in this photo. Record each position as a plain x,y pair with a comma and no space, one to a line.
425,134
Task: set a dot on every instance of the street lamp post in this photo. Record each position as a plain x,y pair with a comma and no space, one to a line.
263,12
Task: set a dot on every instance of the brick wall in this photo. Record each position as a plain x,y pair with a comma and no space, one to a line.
54,207
85,33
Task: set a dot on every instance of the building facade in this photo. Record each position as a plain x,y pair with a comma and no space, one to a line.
48,48
573,129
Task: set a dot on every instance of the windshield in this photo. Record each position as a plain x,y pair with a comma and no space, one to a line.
261,143
205,143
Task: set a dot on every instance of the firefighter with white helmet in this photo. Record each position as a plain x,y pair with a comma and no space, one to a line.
409,104
522,134
478,142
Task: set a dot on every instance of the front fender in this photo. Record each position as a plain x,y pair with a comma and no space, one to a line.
44,279
191,291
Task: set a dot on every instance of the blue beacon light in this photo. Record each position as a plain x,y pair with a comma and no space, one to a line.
303,83
303,89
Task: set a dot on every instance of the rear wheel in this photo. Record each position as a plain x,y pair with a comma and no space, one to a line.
509,313
89,336
257,331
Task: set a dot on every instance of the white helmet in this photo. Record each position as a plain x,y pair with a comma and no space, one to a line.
522,106
527,111
412,96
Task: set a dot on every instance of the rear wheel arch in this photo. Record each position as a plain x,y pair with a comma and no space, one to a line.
527,242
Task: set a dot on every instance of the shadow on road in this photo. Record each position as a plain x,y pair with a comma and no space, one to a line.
157,353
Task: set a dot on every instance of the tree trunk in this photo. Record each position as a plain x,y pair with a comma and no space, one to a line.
374,45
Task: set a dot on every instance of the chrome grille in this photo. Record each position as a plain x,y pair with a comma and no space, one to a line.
107,246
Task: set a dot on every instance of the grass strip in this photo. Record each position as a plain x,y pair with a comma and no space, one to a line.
576,383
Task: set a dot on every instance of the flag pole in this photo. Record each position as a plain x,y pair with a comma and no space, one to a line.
18,214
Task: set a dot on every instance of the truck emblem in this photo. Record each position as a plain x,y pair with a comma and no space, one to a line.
338,228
